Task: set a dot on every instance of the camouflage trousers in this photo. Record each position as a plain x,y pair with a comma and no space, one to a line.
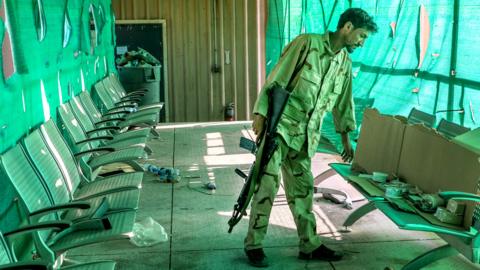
298,183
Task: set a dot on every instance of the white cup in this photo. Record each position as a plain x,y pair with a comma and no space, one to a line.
379,176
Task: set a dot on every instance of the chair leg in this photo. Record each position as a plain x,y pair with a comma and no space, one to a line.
430,257
135,166
324,176
358,213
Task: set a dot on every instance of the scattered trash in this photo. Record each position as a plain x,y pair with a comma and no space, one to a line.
150,168
207,188
138,58
164,174
147,233
211,185
169,175
430,202
132,109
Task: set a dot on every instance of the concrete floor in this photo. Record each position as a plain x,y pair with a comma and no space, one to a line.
196,218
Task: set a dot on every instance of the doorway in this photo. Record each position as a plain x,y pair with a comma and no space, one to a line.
149,35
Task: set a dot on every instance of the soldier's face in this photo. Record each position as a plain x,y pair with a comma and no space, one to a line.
354,38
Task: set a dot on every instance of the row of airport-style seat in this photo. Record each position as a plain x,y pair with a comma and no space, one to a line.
78,181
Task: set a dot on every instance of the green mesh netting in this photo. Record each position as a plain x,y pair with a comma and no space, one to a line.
48,56
387,68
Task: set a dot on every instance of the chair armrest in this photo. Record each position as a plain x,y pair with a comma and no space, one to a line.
134,95
109,120
33,265
46,225
98,213
61,207
343,169
96,150
128,100
102,223
120,113
129,96
121,107
98,138
126,103
140,90
457,195
107,128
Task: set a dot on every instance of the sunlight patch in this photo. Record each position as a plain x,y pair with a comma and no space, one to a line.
214,135
82,79
58,158
236,159
23,101
60,96
105,65
46,106
214,142
215,151
95,65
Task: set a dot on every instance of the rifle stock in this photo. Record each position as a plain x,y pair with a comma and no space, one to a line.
277,99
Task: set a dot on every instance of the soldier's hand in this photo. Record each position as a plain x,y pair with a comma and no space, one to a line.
258,125
347,154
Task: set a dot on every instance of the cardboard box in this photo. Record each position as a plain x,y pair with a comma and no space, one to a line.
433,163
379,143
419,155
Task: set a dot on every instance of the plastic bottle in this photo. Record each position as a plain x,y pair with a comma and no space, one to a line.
132,109
165,174
211,185
151,168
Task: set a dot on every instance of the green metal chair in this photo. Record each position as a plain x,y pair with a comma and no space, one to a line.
38,205
73,126
467,241
83,146
450,129
8,258
119,140
113,84
63,180
419,117
115,119
56,144
87,120
109,103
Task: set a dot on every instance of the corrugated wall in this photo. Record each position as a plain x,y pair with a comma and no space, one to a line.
200,35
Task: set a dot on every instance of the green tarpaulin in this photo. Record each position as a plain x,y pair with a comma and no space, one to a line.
418,59
51,50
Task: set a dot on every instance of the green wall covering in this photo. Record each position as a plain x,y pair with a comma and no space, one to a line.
385,69
46,56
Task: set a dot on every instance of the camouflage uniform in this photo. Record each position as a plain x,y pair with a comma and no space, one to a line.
319,81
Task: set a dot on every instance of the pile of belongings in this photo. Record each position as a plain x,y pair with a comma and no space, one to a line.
138,58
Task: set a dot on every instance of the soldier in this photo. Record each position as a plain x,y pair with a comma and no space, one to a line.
317,71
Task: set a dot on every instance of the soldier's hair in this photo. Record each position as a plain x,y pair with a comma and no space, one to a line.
359,18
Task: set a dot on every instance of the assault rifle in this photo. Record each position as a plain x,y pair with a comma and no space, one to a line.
277,99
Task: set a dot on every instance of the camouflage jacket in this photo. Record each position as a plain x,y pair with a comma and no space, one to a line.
319,81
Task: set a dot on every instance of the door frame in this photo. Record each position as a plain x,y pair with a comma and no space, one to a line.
163,24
